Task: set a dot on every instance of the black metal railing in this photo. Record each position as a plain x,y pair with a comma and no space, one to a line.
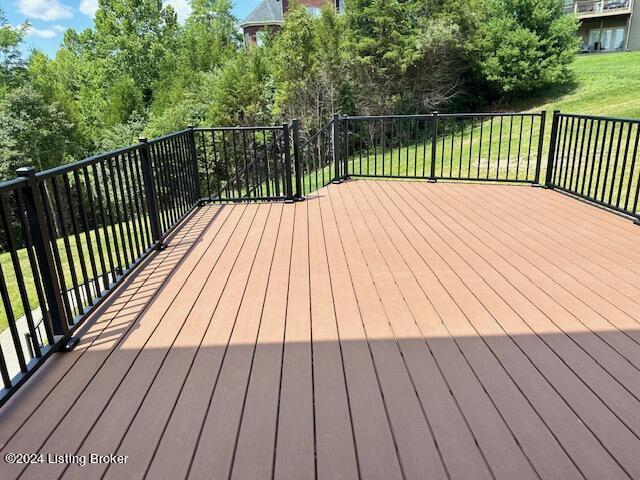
317,166
71,234
596,158
245,163
500,147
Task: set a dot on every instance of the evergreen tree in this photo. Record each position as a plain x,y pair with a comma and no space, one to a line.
524,45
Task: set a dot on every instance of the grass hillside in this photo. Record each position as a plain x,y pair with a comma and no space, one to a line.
605,84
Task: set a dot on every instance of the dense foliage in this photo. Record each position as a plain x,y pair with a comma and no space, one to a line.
524,44
139,72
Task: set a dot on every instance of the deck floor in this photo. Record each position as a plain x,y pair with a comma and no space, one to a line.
378,330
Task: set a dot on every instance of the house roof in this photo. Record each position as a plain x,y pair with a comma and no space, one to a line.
269,12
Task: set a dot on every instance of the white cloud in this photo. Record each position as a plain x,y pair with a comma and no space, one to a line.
89,7
182,8
44,9
41,33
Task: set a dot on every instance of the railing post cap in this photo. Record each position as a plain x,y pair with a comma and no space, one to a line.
26,172
190,127
143,139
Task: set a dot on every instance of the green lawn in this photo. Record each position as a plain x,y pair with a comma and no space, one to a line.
604,84
96,237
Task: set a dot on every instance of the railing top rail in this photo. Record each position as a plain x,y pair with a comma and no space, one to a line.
12,184
219,129
450,115
86,162
600,117
70,167
386,117
492,114
168,136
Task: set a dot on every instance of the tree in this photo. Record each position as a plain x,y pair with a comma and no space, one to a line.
310,69
11,62
210,35
33,132
523,45
407,55
242,92
208,41
135,36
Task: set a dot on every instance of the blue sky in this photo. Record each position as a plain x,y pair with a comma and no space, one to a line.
49,18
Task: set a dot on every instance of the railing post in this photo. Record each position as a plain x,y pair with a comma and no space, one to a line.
552,149
295,124
434,142
543,120
194,159
345,148
337,149
636,201
42,245
287,163
150,194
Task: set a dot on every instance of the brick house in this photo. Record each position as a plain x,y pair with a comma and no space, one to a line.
269,16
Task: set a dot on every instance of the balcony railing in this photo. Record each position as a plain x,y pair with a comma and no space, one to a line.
597,8
69,236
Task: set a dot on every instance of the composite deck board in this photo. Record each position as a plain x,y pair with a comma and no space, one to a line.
335,446
214,454
143,408
482,420
494,320
452,437
256,439
598,279
601,242
295,439
517,255
597,275
376,447
118,388
462,319
174,453
115,316
417,451
380,329
561,320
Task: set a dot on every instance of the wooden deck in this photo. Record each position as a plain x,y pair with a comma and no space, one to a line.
378,330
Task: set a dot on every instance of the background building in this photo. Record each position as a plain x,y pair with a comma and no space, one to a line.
607,25
268,16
